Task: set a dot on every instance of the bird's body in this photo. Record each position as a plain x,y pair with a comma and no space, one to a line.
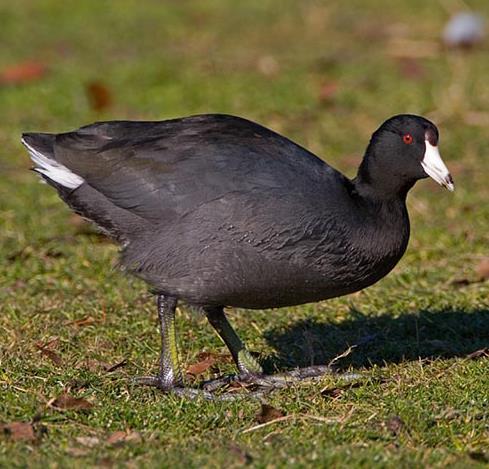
219,211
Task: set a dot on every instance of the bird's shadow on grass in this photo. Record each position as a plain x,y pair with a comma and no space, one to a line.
379,340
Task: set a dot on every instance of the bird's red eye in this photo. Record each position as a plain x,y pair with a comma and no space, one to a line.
407,139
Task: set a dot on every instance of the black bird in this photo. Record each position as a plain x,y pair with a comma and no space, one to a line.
217,211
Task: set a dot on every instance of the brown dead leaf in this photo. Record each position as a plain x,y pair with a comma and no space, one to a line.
482,353
268,413
19,431
395,424
121,437
99,96
47,349
199,367
482,269
67,402
24,72
53,356
206,361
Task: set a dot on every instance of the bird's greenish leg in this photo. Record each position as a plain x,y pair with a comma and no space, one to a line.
245,362
169,375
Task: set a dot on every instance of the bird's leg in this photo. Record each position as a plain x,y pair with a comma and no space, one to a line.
169,375
250,371
245,362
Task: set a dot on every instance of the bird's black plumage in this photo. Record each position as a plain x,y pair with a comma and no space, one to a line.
219,211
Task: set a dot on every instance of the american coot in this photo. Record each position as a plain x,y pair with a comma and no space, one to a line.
218,211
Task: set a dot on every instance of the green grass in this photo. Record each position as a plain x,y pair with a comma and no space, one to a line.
414,329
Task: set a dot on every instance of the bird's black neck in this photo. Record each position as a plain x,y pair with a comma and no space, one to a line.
372,183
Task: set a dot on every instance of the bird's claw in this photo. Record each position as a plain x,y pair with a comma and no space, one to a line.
257,385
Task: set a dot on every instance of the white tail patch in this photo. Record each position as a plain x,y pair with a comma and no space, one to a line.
52,169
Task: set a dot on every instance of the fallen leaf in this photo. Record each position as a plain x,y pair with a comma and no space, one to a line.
268,413
199,367
47,349
19,431
482,269
395,425
207,360
22,73
99,95
88,441
482,353
53,356
67,402
120,437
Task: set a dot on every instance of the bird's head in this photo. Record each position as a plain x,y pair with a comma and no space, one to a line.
401,151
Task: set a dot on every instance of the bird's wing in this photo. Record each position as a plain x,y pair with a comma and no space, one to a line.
162,170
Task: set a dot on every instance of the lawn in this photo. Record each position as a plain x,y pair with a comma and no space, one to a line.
325,74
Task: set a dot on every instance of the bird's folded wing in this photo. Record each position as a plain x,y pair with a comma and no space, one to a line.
166,169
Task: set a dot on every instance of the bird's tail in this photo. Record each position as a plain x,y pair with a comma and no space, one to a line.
41,150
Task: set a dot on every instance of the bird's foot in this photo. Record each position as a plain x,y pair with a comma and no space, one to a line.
261,383
255,385
180,390
168,388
